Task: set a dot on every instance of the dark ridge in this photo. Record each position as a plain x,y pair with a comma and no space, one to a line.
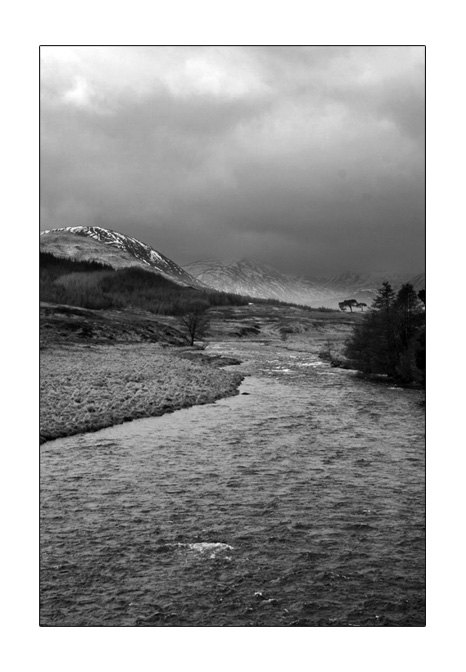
98,286
55,266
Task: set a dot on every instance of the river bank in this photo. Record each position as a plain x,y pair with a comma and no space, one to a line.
84,388
101,368
301,503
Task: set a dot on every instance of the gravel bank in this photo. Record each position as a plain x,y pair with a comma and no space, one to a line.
86,388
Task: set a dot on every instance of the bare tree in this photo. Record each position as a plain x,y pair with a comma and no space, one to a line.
194,324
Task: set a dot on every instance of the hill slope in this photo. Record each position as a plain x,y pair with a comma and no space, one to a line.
249,278
93,243
260,281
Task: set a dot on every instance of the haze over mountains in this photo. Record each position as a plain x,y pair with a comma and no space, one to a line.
238,276
242,276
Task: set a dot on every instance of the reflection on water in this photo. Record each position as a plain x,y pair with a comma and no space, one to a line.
298,502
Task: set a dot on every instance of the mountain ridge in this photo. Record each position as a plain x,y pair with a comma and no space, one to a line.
237,275
242,276
94,243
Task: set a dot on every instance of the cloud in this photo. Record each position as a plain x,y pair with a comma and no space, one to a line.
311,158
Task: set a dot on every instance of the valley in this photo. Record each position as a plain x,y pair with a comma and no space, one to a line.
296,499
111,302
103,367
246,480
242,277
232,347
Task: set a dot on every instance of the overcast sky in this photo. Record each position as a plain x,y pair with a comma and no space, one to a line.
310,159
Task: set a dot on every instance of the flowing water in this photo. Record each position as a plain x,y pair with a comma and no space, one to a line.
299,502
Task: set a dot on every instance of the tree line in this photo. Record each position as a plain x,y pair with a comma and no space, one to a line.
391,340
93,285
90,284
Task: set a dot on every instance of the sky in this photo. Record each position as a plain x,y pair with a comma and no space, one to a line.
308,159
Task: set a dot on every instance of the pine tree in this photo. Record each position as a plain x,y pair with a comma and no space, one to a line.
409,311
390,340
409,324
385,298
386,350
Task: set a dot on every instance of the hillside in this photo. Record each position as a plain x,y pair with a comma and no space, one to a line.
93,243
93,285
261,281
243,276
240,277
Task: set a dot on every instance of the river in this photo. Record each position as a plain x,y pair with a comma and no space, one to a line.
299,502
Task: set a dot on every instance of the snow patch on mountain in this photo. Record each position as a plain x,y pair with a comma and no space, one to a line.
132,250
242,276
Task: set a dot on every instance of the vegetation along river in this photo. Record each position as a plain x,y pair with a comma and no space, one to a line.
299,502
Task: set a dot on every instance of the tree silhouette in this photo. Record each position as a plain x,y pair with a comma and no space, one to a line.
390,340
409,312
385,298
348,303
195,323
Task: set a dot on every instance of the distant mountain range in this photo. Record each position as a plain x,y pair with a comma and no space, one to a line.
93,243
242,276
238,276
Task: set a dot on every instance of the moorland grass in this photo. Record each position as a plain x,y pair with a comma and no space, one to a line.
86,388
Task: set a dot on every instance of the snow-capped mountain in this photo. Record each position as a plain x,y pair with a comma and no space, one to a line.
260,281
249,278
93,243
239,276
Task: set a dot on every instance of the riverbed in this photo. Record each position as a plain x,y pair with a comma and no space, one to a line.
299,502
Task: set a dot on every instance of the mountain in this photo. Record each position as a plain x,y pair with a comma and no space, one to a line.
242,276
239,276
93,243
249,278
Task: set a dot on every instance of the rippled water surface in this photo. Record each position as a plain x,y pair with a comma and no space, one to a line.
299,502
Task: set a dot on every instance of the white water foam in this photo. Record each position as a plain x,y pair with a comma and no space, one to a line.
207,547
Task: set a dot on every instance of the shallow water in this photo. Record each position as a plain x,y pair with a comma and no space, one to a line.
299,502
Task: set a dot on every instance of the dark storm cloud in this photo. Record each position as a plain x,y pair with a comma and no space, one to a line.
309,159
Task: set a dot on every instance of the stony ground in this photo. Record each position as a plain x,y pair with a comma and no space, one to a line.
87,387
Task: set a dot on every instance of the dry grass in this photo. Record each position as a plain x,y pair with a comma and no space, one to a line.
85,388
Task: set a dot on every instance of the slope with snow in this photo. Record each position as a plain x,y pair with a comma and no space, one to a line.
94,243
249,278
257,280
